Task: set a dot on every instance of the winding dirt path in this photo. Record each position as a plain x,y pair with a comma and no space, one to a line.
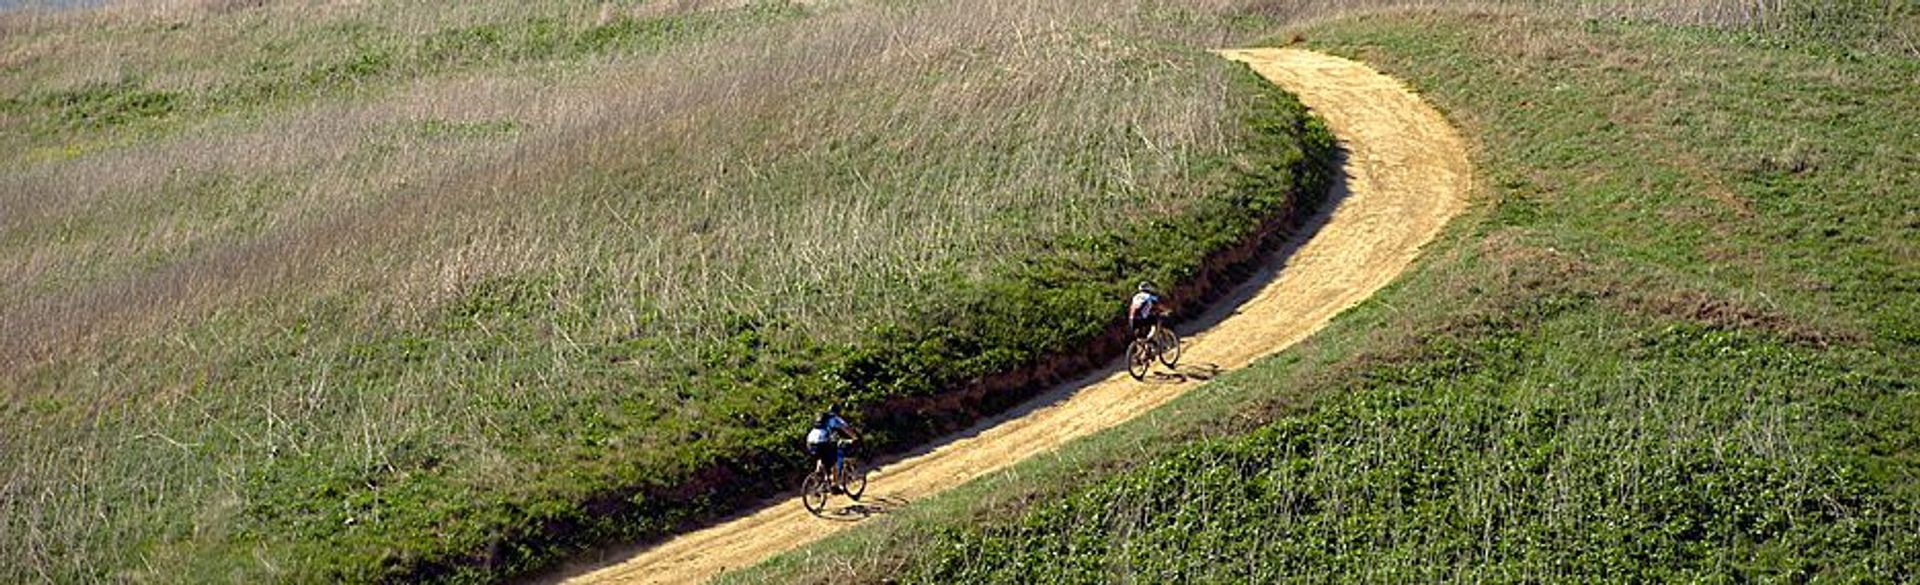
1406,175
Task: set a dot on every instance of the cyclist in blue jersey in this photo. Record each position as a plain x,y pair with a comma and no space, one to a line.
821,443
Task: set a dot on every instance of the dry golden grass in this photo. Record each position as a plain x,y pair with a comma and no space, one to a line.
352,179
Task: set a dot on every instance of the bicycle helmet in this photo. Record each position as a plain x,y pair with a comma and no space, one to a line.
1145,286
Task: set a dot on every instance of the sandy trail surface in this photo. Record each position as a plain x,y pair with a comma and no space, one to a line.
1406,174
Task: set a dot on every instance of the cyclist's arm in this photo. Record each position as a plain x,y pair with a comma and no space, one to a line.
847,429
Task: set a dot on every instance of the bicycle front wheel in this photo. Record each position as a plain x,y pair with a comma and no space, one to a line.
856,477
1169,346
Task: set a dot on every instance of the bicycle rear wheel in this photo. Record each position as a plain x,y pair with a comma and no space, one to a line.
1139,359
813,492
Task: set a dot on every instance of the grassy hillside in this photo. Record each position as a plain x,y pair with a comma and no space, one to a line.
359,291
1675,341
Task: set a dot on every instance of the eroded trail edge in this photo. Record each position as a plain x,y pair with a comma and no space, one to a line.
1406,174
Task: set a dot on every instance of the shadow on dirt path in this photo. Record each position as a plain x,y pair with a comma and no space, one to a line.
868,506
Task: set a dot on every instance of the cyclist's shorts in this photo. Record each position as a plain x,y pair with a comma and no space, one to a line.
1142,326
823,452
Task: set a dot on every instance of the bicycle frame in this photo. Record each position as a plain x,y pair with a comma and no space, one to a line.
838,471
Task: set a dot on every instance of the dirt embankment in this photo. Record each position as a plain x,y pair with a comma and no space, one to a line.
1405,174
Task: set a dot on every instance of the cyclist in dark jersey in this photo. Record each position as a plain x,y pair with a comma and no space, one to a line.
1144,311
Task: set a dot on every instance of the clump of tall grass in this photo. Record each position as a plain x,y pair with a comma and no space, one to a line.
362,167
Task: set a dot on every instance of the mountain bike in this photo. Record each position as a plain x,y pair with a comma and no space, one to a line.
1161,343
819,486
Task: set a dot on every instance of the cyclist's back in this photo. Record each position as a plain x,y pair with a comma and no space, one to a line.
821,442
1143,310
825,428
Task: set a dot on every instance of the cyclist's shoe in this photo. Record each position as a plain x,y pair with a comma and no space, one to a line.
837,490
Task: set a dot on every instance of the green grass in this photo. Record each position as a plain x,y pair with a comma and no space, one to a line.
1514,457
1674,341
451,294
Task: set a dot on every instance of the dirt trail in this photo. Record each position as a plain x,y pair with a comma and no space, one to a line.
1406,175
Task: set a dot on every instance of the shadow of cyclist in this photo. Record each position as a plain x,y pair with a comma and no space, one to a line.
1184,373
872,505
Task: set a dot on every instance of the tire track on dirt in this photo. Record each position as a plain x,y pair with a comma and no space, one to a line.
1405,175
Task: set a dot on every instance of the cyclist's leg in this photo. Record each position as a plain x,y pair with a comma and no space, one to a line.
818,453
839,461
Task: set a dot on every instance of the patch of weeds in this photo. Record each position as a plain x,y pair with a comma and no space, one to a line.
357,65
467,130
107,104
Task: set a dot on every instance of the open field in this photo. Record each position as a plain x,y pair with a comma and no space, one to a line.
1675,341
367,290
327,291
